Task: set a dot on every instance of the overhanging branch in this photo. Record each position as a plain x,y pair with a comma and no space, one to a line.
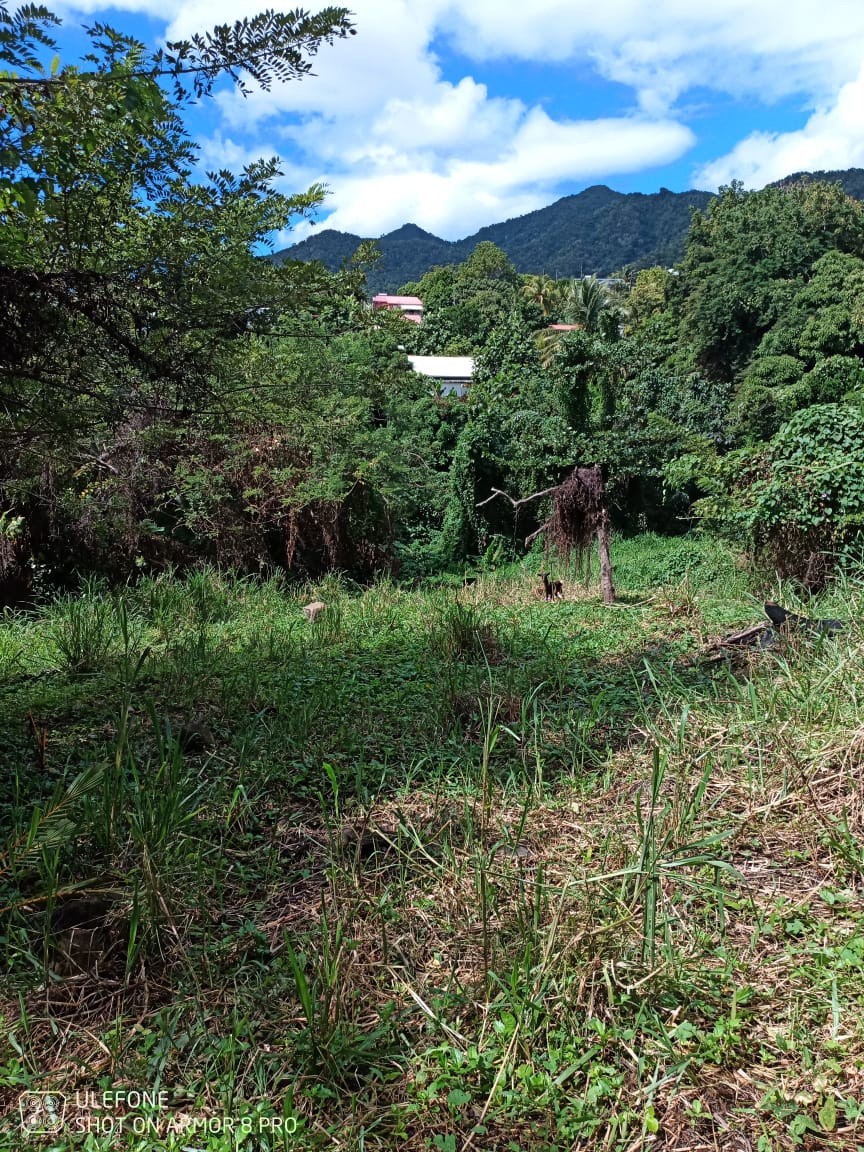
518,503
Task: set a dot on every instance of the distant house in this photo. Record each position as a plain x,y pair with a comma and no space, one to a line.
564,327
411,307
454,372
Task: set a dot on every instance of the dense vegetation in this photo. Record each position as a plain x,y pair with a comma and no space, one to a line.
447,865
169,396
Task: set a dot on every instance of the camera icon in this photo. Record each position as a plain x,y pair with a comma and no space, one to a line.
42,1113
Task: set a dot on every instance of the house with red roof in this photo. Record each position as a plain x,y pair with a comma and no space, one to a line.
411,307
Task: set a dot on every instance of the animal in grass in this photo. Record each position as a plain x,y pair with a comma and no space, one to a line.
789,621
195,737
313,611
553,589
83,936
784,623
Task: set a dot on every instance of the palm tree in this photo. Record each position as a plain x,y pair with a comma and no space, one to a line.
542,289
587,304
584,302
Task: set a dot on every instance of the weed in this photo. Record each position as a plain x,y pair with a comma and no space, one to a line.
82,629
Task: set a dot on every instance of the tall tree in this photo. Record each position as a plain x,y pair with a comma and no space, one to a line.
586,302
745,255
128,288
542,290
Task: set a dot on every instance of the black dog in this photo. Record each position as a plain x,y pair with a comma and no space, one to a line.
554,589
790,622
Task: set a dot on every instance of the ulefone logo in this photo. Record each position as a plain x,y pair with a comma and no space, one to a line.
42,1113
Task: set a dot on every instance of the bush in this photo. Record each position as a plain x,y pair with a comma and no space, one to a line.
810,504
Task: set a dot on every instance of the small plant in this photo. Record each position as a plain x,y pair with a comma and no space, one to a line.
463,632
83,630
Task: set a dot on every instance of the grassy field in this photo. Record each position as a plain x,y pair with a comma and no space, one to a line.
448,868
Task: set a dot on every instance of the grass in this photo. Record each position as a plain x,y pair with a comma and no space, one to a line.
462,869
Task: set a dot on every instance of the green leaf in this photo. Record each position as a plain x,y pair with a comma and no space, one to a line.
652,1124
828,1114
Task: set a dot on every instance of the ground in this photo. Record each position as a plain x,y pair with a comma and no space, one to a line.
446,868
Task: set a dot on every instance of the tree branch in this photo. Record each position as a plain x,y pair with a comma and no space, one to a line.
518,503
539,531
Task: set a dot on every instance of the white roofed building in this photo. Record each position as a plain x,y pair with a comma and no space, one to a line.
454,372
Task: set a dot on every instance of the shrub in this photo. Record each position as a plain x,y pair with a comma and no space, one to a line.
811,502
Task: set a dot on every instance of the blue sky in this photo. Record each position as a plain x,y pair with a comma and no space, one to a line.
453,114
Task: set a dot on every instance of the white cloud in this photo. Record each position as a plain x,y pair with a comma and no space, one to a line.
457,195
399,143
770,48
832,138
396,141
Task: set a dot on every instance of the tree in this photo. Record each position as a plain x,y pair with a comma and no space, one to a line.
798,500
810,503
116,269
267,47
587,303
747,255
129,291
465,303
579,513
542,290
488,262
648,295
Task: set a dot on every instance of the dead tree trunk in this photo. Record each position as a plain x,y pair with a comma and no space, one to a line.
605,564
592,480
579,513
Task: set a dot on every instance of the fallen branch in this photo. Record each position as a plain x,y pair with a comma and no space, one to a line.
748,638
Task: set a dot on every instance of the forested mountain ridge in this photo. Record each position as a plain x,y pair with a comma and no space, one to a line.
597,231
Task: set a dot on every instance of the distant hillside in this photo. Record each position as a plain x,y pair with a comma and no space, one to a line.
408,253
851,179
596,231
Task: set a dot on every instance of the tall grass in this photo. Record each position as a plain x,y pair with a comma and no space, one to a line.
82,629
463,869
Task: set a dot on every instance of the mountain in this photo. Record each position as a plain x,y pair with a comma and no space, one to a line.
407,254
850,179
595,231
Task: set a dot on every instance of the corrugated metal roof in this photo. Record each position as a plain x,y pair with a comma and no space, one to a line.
444,367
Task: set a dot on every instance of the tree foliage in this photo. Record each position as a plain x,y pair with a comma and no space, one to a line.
165,393
745,256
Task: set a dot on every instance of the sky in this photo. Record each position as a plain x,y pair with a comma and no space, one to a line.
454,114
